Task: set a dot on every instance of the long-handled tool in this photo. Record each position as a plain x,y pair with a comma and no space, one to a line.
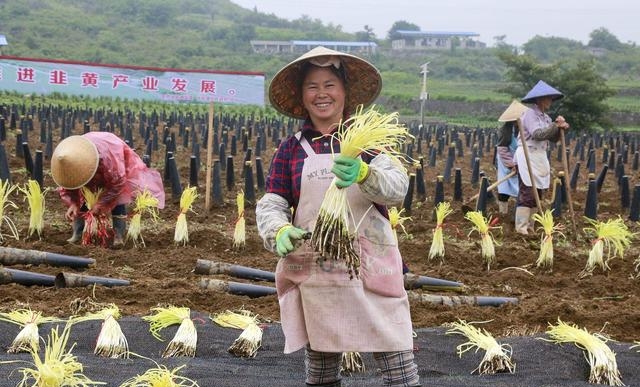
525,148
565,166
465,205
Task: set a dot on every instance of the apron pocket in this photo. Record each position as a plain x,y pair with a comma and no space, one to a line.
381,268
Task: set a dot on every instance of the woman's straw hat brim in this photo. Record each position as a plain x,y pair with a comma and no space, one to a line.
74,162
513,112
363,83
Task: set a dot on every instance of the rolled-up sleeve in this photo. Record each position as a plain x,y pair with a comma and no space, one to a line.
388,181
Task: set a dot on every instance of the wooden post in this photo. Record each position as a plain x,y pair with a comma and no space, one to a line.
207,197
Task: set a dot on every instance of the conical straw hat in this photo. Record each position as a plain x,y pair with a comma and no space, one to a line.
74,162
542,89
513,112
363,82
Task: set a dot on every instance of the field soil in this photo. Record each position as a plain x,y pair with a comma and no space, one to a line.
162,273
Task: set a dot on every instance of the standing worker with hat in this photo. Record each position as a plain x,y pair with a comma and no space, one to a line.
505,150
538,129
101,161
322,310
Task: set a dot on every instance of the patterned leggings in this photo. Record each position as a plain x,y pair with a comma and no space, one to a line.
398,368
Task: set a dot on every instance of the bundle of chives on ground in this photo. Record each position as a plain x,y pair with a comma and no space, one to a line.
365,132
145,203
481,225
601,359
239,230
185,340
397,221
443,209
6,188
28,337
351,362
58,368
95,227
187,198
497,357
613,234
545,258
111,341
247,344
35,197
160,376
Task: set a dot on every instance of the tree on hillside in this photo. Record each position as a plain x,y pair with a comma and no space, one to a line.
401,25
584,88
367,35
602,38
551,48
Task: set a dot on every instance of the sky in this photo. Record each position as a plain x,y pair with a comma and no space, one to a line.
519,21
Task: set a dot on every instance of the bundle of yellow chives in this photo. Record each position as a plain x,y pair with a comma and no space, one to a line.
443,209
351,362
160,377
481,225
111,341
601,359
28,337
94,227
613,234
545,258
247,344
497,357
6,188
187,198
239,231
365,132
145,203
58,368
35,197
185,340
397,221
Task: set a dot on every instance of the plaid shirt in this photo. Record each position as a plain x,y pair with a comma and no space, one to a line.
285,172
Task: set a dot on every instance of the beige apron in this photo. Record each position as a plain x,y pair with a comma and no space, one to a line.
539,165
319,304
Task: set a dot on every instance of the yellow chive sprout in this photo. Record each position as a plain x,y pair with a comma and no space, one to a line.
145,203
186,337
397,221
111,340
94,227
482,226
601,359
497,357
443,209
35,197
29,320
248,343
239,239
187,198
160,376
612,234
545,258
58,368
351,362
365,132
6,189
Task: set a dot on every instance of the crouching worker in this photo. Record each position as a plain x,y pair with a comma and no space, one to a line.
108,167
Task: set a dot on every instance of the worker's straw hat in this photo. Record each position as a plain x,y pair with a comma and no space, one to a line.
513,112
74,162
363,81
542,89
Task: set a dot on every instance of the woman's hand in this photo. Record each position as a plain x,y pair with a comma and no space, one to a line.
72,212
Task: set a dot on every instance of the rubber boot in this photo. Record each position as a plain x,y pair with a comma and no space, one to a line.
78,227
119,228
503,207
523,215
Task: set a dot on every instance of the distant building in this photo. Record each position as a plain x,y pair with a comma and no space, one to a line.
301,46
423,40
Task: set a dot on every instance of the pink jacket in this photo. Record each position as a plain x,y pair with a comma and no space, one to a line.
121,174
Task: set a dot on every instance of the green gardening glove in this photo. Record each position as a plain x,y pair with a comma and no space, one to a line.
349,170
286,239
